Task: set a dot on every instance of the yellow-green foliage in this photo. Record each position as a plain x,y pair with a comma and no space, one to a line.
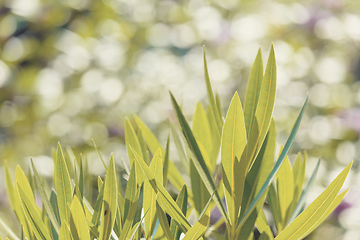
247,175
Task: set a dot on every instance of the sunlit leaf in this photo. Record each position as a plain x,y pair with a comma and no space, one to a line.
33,217
78,223
232,147
198,160
163,197
264,109
45,199
275,168
109,206
150,195
62,185
132,140
181,201
311,215
196,231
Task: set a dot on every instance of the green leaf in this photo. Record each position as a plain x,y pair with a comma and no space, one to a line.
202,133
311,215
163,222
150,195
214,109
132,140
163,197
98,204
166,161
62,184
136,227
78,224
128,222
253,92
180,150
285,189
198,160
45,199
33,216
275,168
232,147
65,233
131,190
181,201
264,110
301,202
200,192
174,175
196,231
109,202
332,207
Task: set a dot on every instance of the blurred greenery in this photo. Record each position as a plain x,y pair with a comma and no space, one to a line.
71,71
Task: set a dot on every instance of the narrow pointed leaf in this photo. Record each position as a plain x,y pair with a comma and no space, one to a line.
150,194
214,109
198,160
196,231
253,92
181,201
163,197
163,222
98,204
33,217
285,189
132,140
265,107
78,220
45,199
332,207
174,175
180,150
301,202
62,184
275,168
232,147
65,233
310,216
109,207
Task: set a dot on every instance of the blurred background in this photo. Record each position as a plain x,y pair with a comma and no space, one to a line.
72,70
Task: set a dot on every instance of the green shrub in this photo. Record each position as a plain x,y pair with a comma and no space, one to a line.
248,182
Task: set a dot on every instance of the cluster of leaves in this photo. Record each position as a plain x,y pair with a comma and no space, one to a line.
244,180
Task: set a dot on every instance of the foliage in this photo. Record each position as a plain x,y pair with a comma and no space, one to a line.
241,190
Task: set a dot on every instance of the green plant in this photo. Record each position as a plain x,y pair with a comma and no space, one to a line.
243,180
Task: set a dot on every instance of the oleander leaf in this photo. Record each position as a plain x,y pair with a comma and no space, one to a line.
181,201
264,110
131,139
78,222
213,107
232,147
62,184
65,233
199,228
109,206
253,92
285,189
45,199
332,207
276,167
301,202
173,173
202,133
163,197
163,222
311,215
150,195
33,217
198,160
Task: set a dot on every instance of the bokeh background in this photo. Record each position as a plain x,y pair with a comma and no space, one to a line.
72,70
